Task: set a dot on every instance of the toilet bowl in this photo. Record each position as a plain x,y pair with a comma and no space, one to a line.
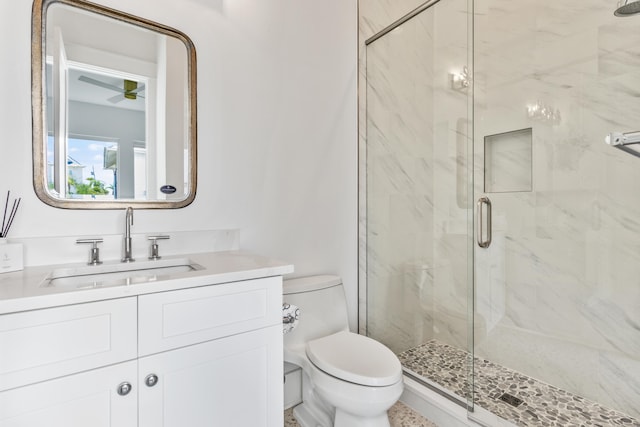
348,380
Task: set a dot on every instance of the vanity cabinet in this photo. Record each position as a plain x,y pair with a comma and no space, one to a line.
204,356
214,355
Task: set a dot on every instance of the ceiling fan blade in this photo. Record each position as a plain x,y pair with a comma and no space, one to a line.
115,99
120,97
99,83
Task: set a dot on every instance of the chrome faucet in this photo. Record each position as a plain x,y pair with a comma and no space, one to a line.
127,235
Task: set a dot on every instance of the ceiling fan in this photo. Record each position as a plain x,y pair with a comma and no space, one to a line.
129,90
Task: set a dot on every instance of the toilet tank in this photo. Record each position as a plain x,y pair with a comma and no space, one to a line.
323,307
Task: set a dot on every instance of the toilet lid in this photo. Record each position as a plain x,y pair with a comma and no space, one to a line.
355,358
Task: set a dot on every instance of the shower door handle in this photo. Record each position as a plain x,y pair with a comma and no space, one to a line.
483,241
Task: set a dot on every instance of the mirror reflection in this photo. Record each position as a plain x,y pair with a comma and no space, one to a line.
119,104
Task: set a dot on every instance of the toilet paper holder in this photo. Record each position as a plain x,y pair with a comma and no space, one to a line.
290,317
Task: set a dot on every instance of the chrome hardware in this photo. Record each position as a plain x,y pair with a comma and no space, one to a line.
128,222
484,243
151,380
288,319
625,141
460,80
124,388
154,246
94,254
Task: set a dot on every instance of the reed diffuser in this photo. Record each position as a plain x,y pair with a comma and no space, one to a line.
8,221
10,253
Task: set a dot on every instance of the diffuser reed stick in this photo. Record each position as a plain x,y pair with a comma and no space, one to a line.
8,221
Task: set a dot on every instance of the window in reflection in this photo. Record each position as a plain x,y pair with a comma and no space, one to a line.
92,169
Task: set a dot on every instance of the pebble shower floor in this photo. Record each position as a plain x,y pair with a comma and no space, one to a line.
542,405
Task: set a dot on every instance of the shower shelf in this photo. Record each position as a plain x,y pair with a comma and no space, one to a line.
623,141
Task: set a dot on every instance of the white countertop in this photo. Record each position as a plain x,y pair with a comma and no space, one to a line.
24,290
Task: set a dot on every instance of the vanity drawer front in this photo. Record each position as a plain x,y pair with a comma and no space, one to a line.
179,318
43,344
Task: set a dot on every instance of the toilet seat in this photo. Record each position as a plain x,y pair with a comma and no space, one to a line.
355,358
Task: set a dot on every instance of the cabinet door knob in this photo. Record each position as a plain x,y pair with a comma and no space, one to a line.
124,388
151,380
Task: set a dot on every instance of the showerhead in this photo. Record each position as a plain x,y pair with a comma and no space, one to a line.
627,8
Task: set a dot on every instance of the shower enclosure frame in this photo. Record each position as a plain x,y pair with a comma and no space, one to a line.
562,294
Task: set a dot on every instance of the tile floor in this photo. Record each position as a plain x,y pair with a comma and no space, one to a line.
542,404
400,415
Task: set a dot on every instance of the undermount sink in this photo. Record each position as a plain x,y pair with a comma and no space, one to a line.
118,274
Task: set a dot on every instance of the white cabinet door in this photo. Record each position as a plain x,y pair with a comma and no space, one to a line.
82,400
230,382
40,345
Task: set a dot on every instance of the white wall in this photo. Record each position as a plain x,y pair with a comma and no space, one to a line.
277,129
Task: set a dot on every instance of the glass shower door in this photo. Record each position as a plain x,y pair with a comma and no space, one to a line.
419,211
557,290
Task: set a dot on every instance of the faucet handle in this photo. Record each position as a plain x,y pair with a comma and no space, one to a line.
94,255
155,255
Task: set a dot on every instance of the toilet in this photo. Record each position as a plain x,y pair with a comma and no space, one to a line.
348,380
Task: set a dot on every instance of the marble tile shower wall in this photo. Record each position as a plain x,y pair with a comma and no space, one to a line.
416,193
400,183
373,16
558,290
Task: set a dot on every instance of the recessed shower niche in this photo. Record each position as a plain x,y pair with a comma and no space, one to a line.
508,161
